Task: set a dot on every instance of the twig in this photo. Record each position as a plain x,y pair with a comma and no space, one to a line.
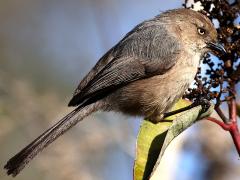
230,126
221,114
226,127
234,131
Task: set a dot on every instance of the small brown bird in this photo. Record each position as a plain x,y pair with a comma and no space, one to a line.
143,75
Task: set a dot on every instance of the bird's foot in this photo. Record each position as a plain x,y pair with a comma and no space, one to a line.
204,103
155,119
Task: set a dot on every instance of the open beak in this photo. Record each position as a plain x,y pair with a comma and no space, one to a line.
216,47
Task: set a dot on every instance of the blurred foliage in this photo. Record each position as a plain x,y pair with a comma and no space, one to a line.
44,52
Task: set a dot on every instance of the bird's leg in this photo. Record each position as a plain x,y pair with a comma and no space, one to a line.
167,114
202,101
156,118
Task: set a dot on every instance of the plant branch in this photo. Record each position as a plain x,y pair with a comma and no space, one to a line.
234,131
226,127
221,114
230,126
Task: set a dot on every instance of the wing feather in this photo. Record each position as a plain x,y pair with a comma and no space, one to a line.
146,51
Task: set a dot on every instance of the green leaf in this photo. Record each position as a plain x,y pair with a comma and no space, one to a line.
181,123
149,143
153,139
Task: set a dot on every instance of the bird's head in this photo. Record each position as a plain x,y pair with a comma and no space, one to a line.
195,30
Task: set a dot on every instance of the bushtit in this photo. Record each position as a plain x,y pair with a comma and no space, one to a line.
143,75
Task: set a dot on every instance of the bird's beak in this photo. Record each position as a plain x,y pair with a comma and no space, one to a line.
216,47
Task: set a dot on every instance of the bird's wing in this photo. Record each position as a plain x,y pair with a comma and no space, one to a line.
146,51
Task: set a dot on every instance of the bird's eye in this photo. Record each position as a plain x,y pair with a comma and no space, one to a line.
201,31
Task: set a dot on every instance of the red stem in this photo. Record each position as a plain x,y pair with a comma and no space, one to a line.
235,136
232,126
226,127
234,131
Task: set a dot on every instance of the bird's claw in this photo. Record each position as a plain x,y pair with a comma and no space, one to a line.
205,103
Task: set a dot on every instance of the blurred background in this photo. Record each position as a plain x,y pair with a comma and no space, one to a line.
46,47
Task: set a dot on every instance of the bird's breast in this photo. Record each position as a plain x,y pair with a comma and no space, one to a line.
158,93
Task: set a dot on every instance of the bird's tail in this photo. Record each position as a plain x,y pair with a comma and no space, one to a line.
21,159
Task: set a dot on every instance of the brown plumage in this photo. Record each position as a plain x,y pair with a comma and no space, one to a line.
144,74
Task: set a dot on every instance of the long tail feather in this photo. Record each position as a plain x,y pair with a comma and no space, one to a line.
21,159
